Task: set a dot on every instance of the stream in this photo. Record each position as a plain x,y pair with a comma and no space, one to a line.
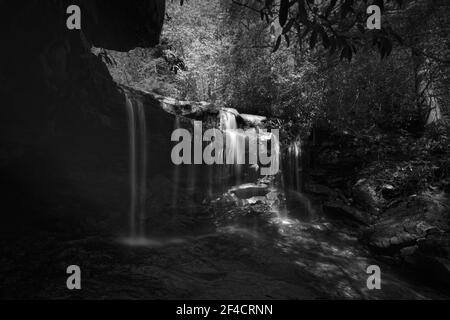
200,232
268,241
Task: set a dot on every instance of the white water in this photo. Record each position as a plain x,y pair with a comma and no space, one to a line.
266,150
176,173
294,167
233,154
228,124
137,133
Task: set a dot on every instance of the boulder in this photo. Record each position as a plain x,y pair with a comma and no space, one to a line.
388,191
339,209
189,109
408,254
365,195
253,120
250,190
431,255
320,190
418,220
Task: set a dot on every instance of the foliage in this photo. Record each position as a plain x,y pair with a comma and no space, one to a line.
339,25
223,52
408,164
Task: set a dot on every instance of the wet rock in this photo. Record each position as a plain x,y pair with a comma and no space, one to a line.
390,237
273,195
253,120
365,195
432,256
435,243
254,200
440,268
336,208
418,220
321,190
300,205
190,109
392,244
247,191
408,254
273,198
388,191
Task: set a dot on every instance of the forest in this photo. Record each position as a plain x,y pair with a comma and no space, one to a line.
362,158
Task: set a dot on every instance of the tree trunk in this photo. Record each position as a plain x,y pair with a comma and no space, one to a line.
428,108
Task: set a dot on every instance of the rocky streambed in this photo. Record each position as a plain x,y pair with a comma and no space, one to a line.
254,242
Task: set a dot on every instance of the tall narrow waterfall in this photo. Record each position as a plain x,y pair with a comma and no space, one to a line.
235,153
293,167
176,174
137,133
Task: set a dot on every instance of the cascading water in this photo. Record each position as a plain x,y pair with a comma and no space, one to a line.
227,120
137,133
292,166
234,152
176,174
269,144
228,124
132,161
266,148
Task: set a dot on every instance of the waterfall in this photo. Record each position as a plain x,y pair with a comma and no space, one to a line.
137,133
263,147
176,174
270,144
133,174
227,120
228,124
233,154
292,166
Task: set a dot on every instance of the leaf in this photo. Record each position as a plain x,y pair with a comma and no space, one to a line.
330,8
288,27
288,42
277,44
346,8
284,11
302,14
313,39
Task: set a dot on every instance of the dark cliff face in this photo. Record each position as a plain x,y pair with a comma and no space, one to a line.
44,65
118,25
123,25
39,52
62,115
